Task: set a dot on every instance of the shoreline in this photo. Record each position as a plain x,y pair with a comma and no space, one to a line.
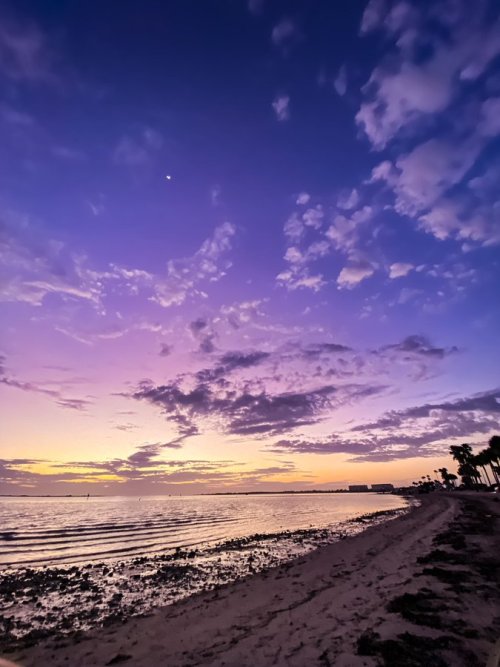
424,584
98,593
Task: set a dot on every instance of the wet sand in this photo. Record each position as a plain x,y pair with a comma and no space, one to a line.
419,590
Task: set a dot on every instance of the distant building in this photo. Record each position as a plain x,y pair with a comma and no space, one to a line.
382,487
358,487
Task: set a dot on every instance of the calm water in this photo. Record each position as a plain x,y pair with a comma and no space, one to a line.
49,531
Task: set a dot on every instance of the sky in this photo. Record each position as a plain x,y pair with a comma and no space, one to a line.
246,244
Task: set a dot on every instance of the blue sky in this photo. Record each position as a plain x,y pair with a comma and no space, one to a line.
246,244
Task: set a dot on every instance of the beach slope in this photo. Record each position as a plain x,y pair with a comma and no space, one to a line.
418,590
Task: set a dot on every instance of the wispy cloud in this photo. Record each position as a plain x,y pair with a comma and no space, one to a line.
63,401
208,265
138,149
25,54
281,106
285,34
143,470
406,97
400,435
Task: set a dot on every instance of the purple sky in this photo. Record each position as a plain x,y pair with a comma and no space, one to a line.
246,244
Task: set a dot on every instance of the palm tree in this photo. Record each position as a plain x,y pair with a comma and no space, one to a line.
447,477
461,453
468,473
489,456
467,466
494,449
482,459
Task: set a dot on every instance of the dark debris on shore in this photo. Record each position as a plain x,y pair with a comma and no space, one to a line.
63,602
459,573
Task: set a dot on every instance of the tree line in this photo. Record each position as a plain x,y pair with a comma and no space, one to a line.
477,471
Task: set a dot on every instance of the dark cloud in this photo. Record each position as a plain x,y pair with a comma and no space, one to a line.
198,325
402,434
202,331
318,349
420,345
143,468
230,362
73,403
207,344
242,412
61,401
165,350
395,445
488,402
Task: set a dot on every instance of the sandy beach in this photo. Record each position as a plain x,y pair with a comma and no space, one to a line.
418,590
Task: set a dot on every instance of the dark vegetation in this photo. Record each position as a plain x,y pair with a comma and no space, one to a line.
478,472
457,574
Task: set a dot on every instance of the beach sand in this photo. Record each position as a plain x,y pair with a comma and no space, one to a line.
418,590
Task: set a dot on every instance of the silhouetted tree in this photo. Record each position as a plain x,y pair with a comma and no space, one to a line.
494,452
482,459
467,467
447,477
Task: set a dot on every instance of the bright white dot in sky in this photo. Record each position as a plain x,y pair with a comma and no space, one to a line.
168,177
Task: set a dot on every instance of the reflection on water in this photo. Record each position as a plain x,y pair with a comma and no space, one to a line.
49,531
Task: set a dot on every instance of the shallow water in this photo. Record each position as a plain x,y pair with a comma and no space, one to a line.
62,531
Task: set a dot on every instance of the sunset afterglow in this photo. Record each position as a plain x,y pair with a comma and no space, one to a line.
255,251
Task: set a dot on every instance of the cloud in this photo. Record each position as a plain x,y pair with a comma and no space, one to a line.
428,100
243,313
399,99
373,15
25,55
308,241
259,393
430,170
33,267
400,269
143,471
208,264
348,200
281,106
229,362
215,195
489,125
203,332
297,229
340,82
351,276
398,434
285,34
165,350
303,198
240,412
420,345
138,150
345,231
315,350
424,72
294,280
7,380
487,402
255,6
423,182
231,397
15,118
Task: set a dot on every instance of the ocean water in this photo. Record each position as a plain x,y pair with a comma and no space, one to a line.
65,531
